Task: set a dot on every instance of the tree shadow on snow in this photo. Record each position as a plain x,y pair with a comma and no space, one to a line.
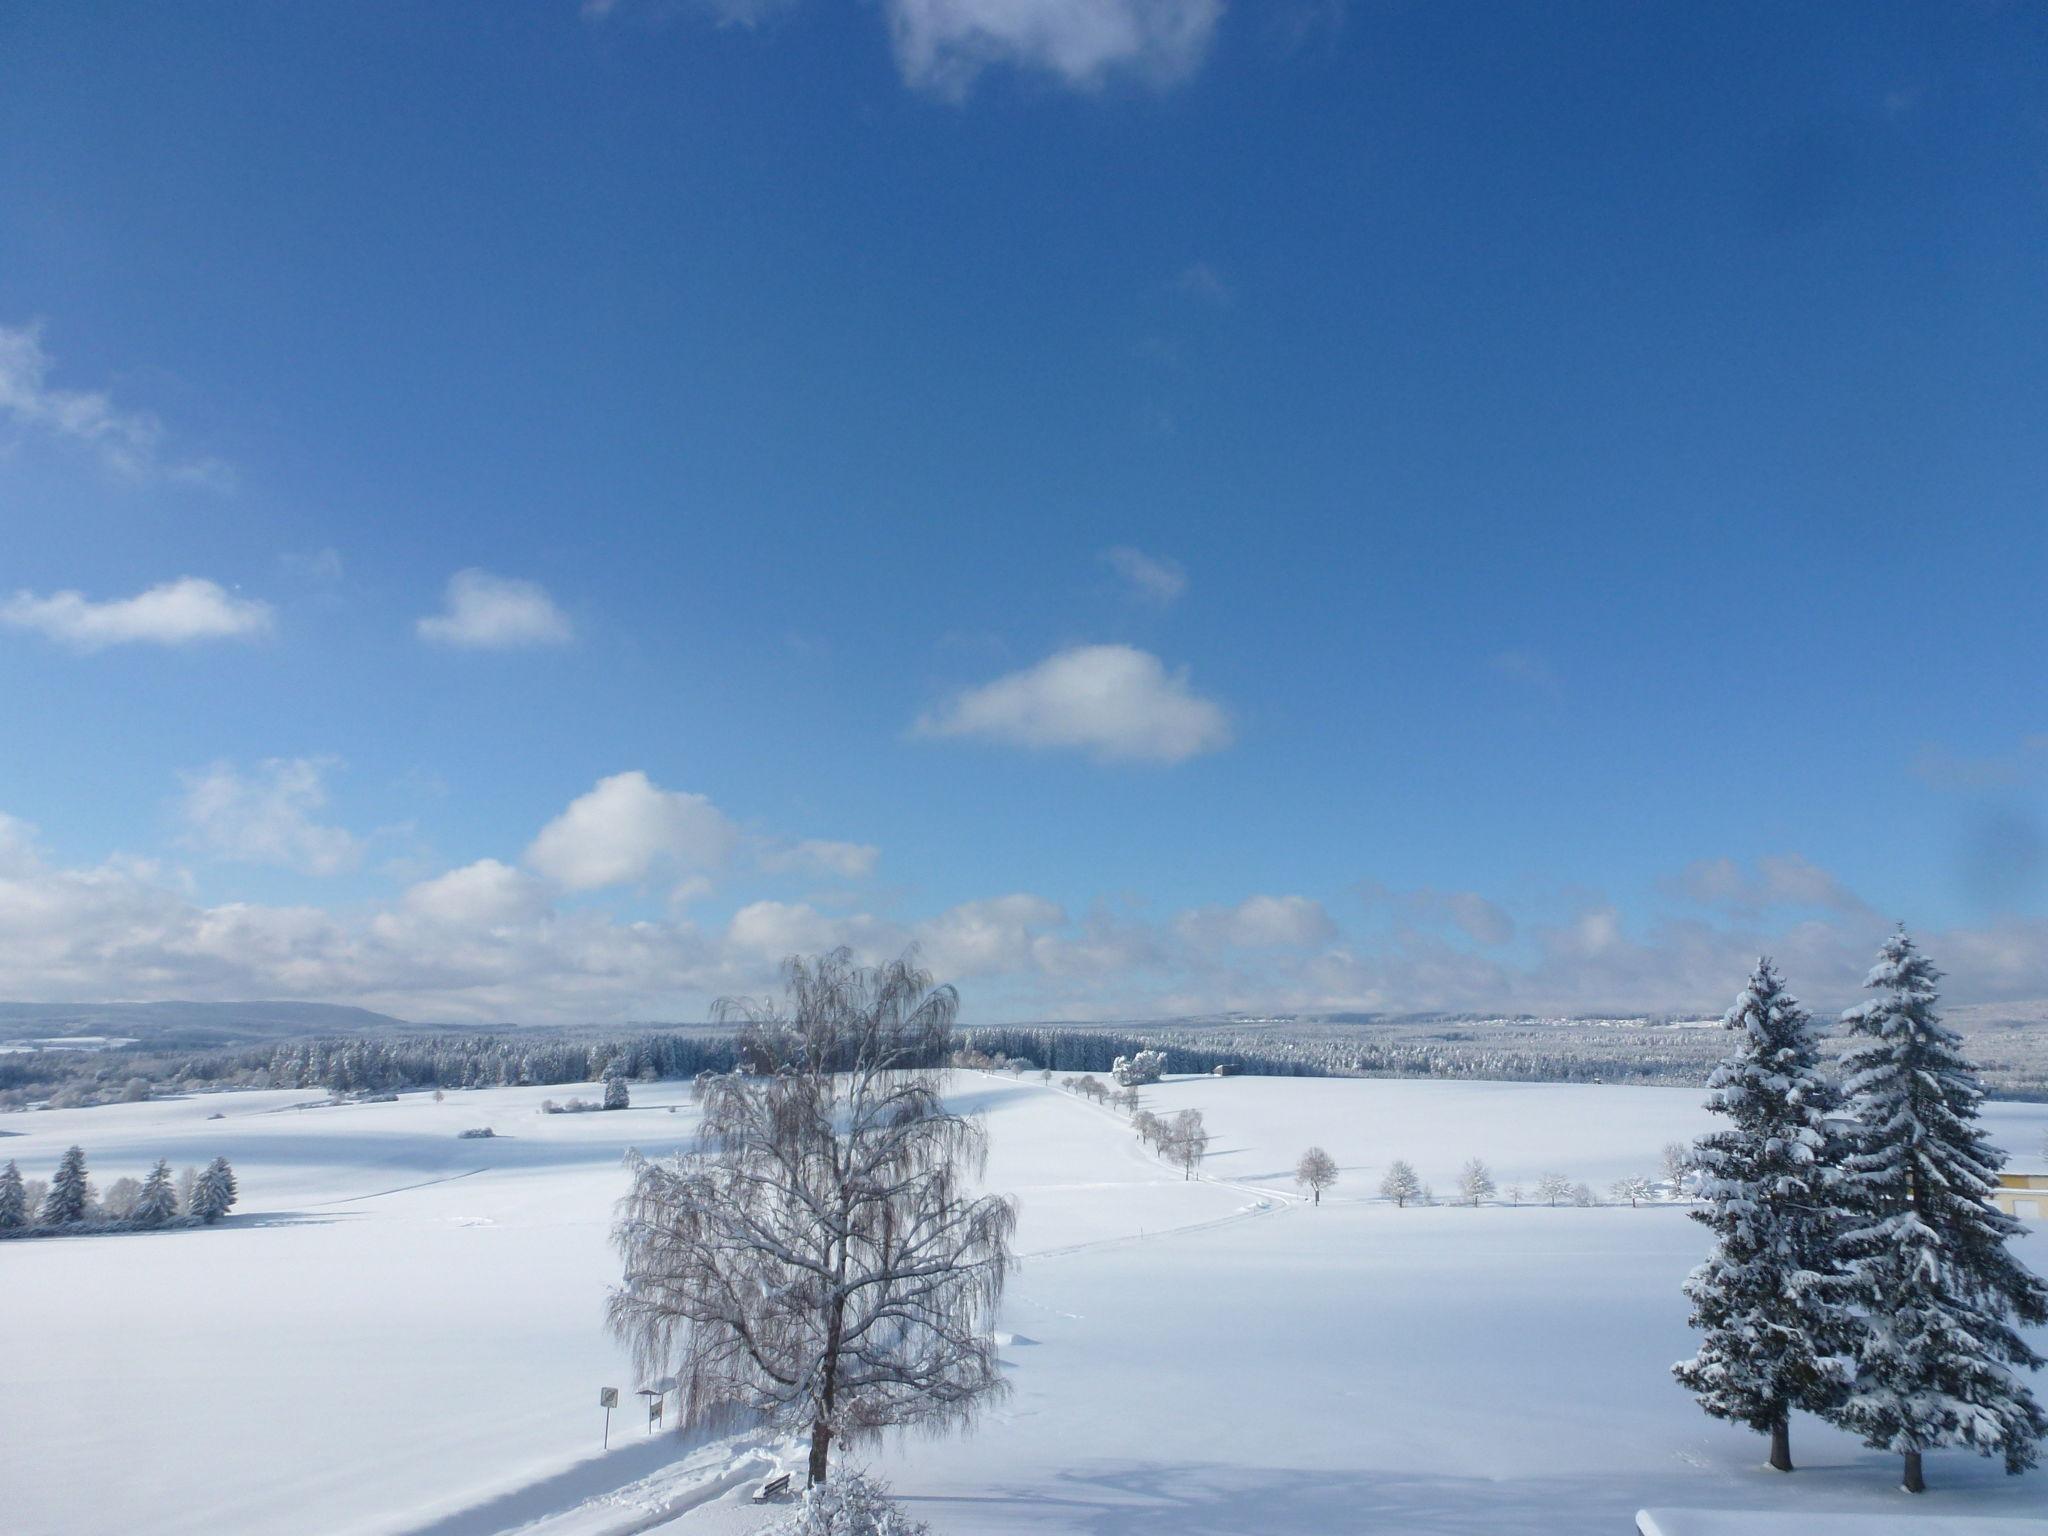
590,1479
1218,1499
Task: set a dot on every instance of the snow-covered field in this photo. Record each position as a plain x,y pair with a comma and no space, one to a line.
400,1331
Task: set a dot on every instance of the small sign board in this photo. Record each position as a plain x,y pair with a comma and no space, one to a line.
607,1397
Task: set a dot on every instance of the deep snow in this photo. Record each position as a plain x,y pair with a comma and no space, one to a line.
400,1331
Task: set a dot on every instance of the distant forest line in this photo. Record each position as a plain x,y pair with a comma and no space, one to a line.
2013,1057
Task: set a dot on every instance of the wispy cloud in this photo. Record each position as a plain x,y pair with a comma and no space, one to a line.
944,46
1154,578
483,612
179,612
1944,769
820,856
128,442
1114,702
269,816
1527,669
1201,282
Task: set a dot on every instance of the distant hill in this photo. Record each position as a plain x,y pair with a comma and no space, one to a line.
197,1026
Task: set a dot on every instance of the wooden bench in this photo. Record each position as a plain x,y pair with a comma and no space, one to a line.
775,1487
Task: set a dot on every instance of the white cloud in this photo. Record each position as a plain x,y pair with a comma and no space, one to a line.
489,941
127,442
625,828
1259,922
1778,880
944,45
991,937
484,612
267,817
486,894
817,856
1481,920
173,613
1113,701
1152,577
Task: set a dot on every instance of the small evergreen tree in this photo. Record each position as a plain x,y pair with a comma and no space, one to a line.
1764,1303
1400,1185
70,1195
1936,1357
214,1192
13,1199
615,1094
158,1203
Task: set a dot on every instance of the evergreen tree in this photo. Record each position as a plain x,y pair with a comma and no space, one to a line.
615,1094
70,1195
158,1203
1937,1358
13,1199
1769,1315
214,1192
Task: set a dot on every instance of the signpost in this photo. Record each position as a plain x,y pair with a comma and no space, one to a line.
607,1399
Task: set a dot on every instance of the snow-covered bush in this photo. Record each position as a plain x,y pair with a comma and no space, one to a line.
475,1133
852,1504
1635,1190
1144,1067
1475,1182
1400,1185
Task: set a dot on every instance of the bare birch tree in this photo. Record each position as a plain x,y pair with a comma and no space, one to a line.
1187,1141
819,1260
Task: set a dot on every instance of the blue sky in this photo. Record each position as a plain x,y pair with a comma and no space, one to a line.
535,512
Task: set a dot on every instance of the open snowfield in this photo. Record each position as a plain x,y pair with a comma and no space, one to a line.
401,1332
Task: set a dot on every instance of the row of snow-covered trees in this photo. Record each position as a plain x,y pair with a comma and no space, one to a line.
1859,1270
69,1202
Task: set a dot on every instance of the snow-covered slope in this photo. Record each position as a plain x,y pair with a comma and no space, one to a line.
401,1331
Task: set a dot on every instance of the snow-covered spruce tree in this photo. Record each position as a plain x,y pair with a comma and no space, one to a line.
616,1095
158,1203
1937,1359
70,1195
1400,1185
1318,1170
1475,1182
819,1260
13,1199
1771,1327
213,1192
